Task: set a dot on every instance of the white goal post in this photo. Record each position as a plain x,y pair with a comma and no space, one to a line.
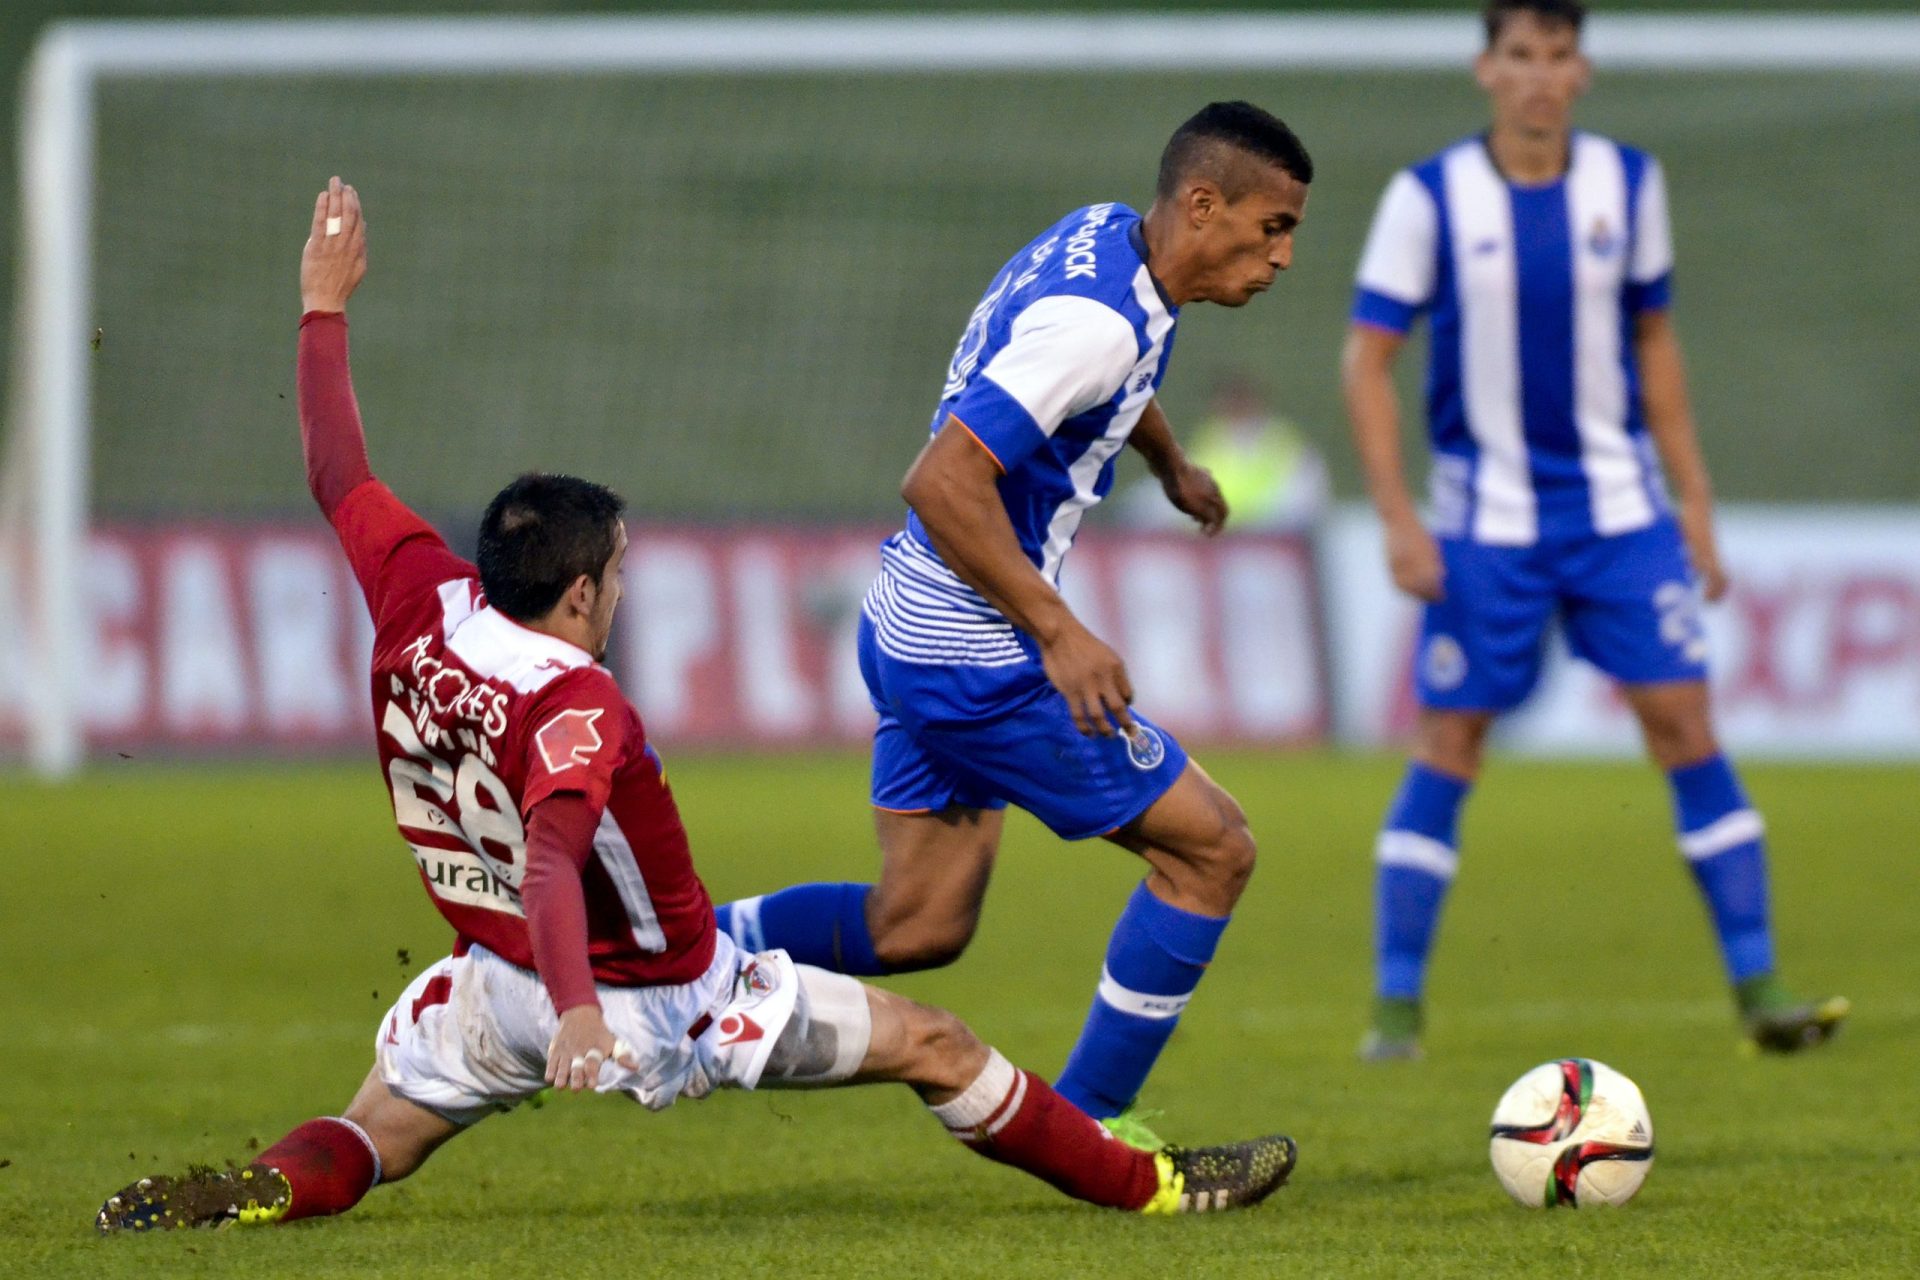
44,490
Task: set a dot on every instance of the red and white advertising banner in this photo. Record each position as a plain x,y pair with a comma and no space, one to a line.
1815,652
254,639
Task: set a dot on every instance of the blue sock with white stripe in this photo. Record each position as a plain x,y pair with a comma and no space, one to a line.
1723,839
824,925
1154,961
1417,856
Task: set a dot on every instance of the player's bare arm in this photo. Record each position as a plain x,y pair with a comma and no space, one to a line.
1190,488
953,485
1663,383
1373,412
335,259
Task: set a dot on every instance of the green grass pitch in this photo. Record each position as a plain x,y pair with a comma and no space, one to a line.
192,960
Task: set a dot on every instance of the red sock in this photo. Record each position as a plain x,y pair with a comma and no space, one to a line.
1015,1117
329,1164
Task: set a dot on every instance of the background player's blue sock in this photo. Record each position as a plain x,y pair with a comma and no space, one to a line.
1417,855
1724,842
1154,961
818,924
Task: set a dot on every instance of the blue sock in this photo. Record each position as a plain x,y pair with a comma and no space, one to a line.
1724,842
1154,961
824,925
1417,854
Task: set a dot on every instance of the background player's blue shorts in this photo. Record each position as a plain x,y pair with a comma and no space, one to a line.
1628,602
981,737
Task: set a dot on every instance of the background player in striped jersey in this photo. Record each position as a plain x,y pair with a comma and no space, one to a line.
585,951
1542,259
988,689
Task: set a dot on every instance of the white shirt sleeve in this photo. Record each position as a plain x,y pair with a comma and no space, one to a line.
1065,354
1653,234
1399,258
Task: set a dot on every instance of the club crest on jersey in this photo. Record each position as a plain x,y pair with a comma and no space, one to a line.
1146,749
757,980
1602,240
1445,663
570,738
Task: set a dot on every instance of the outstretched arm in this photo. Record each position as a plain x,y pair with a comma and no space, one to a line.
1191,489
331,267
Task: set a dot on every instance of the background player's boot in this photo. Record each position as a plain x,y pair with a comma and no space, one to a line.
1209,1179
1776,1022
203,1197
1395,1033
1133,1128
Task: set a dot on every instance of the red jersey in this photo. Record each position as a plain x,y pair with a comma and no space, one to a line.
479,719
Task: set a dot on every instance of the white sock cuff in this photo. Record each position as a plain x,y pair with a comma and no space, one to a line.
986,1105
361,1134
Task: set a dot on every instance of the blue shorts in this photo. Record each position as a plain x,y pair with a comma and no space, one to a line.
984,737
1628,602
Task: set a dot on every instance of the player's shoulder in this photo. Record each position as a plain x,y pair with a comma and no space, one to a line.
1599,148
578,711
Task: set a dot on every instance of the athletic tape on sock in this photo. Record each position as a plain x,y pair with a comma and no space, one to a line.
985,1105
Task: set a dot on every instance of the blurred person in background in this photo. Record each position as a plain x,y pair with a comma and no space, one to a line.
1542,259
1272,477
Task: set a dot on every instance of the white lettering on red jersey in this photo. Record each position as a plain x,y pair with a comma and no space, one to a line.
479,720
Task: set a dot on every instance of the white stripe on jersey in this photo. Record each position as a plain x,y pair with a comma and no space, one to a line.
1481,221
921,612
1086,469
1596,195
611,847
495,647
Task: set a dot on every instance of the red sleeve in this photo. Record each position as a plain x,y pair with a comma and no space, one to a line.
582,730
330,433
395,554
559,842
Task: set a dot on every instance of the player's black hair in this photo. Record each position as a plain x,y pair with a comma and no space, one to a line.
1570,13
1206,144
539,535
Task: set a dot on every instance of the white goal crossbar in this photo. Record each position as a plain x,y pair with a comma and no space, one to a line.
49,461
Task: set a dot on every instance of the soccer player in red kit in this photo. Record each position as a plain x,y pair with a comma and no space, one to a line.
541,821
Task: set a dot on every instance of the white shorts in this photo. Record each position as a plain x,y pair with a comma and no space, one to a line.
469,1036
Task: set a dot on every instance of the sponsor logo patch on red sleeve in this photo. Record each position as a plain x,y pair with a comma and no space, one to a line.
570,738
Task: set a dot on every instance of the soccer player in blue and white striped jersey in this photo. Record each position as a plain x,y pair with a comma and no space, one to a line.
1541,258
988,689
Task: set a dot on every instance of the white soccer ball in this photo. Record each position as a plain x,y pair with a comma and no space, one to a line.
1573,1132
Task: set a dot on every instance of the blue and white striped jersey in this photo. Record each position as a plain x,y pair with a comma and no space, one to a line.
1056,365
1533,389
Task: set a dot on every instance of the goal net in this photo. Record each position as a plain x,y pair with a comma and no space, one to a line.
716,263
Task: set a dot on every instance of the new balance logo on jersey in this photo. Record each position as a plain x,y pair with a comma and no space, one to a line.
568,739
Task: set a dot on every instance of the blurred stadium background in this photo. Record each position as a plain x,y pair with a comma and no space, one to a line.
731,297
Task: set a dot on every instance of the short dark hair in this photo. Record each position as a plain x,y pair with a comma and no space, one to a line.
539,535
1570,13
1218,134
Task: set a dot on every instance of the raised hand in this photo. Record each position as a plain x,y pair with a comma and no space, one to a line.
335,259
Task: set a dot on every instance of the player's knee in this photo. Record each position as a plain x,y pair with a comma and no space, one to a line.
921,942
1453,742
1230,864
